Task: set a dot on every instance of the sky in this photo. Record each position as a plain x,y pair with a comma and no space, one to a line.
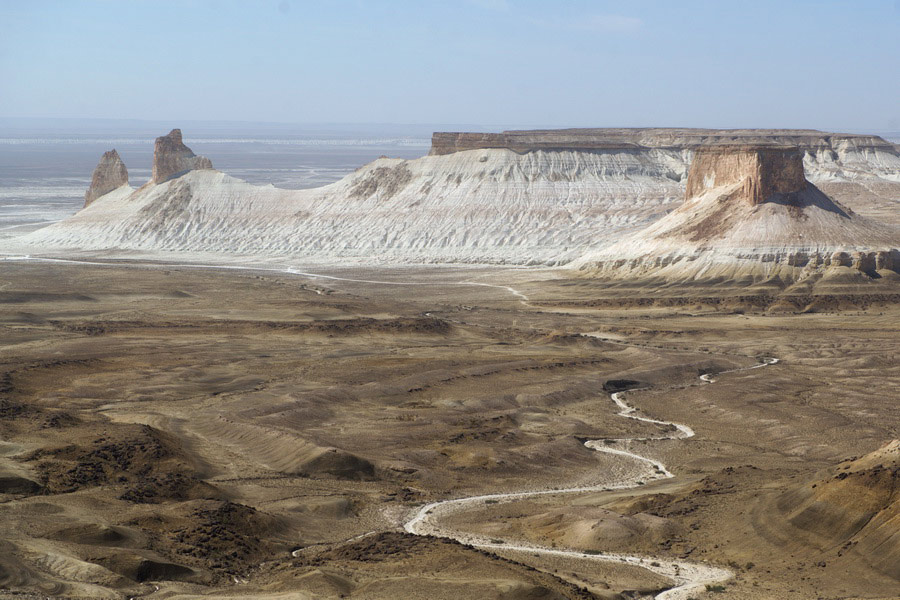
497,63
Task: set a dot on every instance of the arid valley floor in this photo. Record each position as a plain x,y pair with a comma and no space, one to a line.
174,432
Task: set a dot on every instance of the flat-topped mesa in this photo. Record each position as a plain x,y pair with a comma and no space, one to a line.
750,215
110,174
763,171
172,158
672,138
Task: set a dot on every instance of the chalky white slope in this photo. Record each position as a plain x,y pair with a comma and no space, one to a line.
544,206
751,215
480,206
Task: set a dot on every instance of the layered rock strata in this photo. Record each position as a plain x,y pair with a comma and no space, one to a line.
852,509
172,158
492,206
750,214
761,171
809,140
109,174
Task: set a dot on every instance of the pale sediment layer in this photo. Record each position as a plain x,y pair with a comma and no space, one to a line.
476,207
645,138
479,206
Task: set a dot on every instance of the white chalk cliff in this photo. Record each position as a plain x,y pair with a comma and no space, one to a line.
172,158
515,198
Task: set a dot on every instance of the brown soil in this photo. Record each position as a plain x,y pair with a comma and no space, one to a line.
191,429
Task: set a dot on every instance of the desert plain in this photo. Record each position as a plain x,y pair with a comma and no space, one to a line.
172,431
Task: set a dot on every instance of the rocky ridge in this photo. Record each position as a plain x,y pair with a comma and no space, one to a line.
109,174
484,207
487,206
809,140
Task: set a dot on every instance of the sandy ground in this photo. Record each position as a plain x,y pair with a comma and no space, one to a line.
172,432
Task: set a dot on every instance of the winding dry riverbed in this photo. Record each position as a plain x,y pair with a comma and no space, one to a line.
687,577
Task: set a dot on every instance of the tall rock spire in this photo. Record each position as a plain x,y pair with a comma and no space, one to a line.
110,174
171,158
763,171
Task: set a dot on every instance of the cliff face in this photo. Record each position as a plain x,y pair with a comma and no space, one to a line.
526,141
503,207
808,140
172,158
762,171
110,174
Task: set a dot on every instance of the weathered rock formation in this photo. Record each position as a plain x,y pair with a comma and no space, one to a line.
808,140
852,511
542,206
172,158
750,214
110,174
761,171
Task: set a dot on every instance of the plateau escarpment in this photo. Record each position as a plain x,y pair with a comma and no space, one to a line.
749,215
492,206
809,140
529,198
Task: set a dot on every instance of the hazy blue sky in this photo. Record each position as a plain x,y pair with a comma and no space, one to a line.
759,63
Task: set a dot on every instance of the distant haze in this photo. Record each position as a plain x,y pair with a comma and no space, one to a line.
46,164
495,63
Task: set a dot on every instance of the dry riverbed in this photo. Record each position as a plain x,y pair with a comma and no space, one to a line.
265,434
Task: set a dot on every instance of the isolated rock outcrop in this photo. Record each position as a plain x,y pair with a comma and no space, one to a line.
762,171
110,174
570,192
172,158
884,261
